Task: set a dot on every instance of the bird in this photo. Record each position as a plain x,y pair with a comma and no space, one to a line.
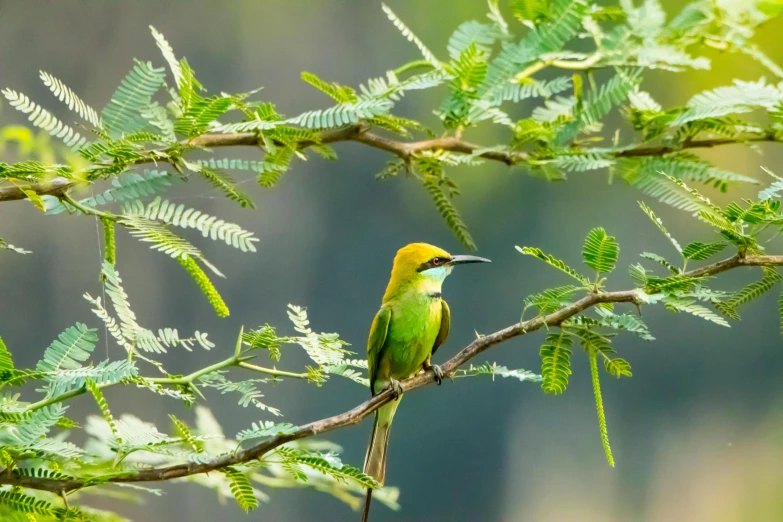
411,325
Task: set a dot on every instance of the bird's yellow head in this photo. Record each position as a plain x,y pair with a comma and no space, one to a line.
423,267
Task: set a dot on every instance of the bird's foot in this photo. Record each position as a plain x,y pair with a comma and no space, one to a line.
396,388
437,371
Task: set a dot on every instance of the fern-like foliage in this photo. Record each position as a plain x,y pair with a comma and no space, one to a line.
264,338
107,416
43,119
749,293
8,246
324,348
67,96
35,425
264,429
702,251
160,237
248,390
126,187
551,299
124,113
223,182
342,114
599,406
600,251
495,370
241,488
6,361
739,98
553,261
168,54
658,223
449,213
339,93
407,33
69,350
556,362
329,465
180,216
26,504
201,114
103,373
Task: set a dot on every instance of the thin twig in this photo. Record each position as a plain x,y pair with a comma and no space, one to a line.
405,150
356,414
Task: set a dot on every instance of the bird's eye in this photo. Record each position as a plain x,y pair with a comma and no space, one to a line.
435,261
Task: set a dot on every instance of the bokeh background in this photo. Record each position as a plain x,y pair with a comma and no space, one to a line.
697,432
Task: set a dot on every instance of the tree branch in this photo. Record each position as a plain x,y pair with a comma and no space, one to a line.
361,133
356,414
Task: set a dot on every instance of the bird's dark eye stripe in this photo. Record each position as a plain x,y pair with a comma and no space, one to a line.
432,263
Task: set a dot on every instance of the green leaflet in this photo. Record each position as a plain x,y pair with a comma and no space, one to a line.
618,367
563,23
689,306
107,416
702,251
200,114
342,114
749,293
35,425
407,33
553,261
741,97
599,406
184,432
449,213
105,372
222,182
67,96
263,338
482,36
23,503
123,114
265,429
71,348
168,54
556,362
551,299
780,312
45,120
6,362
339,93
248,390
295,460
600,251
658,223
495,370
181,216
661,260
241,488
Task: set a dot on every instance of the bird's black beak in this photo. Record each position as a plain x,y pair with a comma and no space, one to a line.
461,260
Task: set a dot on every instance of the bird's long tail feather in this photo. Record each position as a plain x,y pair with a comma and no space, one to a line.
367,500
375,461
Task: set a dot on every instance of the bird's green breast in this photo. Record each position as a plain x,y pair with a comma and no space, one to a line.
415,323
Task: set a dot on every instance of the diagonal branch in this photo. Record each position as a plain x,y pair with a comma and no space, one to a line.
361,133
356,414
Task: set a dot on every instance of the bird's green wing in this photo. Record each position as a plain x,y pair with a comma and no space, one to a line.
378,331
445,324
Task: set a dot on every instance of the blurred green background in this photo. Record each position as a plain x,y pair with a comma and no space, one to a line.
697,432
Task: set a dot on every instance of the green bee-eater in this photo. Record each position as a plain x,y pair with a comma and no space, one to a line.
410,326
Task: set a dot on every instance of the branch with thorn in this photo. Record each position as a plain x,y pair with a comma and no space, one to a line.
366,408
